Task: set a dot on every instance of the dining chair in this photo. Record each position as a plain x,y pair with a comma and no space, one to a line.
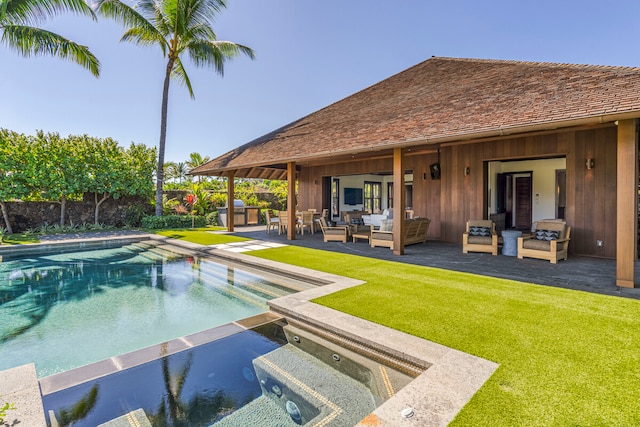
283,222
272,221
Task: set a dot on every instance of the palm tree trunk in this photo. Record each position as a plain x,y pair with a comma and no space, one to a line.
163,137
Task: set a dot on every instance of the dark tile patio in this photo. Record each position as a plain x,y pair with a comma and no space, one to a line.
578,272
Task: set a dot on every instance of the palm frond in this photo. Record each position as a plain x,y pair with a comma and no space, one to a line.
35,41
205,11
31,12
124,14
181,76
213,54
142,37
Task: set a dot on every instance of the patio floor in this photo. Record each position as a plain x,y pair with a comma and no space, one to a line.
578,272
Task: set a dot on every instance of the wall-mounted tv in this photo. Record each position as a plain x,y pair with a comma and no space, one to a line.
353,196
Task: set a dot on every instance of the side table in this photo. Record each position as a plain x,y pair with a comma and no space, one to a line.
510,242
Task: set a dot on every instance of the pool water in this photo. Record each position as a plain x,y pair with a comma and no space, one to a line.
190,388
274,375
70,309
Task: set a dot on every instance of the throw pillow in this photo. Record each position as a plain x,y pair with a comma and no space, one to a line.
357,221
386,225
479,231
547,235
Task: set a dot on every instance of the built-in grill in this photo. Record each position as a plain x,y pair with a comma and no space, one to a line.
242,215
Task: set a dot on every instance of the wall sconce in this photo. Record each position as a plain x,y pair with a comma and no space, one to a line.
590,163
467,170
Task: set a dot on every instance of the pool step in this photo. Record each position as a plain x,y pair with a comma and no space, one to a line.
262,412
312,392
135,418
221,276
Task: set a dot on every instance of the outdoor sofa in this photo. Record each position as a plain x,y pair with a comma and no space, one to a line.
415,231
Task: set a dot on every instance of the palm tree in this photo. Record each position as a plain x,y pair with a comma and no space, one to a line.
177,26
180,171
195,160
17,20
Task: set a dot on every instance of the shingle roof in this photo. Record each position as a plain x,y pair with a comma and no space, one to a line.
444,99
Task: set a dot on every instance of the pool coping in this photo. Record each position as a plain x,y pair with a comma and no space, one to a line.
435,397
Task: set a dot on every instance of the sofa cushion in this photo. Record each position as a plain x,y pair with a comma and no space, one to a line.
540,245
479,231
480,240
386,225
334,232
547,234
382,236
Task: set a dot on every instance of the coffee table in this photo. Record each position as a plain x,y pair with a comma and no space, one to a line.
356,236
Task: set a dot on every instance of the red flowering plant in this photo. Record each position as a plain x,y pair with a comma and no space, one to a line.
199,201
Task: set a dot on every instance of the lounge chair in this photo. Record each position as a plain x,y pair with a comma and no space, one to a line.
549,240
480,236
337,233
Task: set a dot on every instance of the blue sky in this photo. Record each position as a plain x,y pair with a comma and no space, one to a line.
309,54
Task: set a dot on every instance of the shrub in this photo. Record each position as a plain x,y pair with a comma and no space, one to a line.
173,221
133,216
212,218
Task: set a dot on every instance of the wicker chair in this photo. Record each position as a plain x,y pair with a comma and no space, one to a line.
480,236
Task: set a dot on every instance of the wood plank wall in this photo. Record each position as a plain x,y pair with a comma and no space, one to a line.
456,197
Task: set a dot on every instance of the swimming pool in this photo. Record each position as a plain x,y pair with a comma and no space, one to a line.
67,309
275,374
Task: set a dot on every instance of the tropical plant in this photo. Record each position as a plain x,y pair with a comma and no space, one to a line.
17,20
16,170
178,27
3,411
60,162
200,200
195,160
178,171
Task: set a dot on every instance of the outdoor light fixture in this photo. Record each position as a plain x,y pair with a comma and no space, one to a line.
590,163
467,170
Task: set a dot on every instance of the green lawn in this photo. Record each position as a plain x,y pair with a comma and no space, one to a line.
202,236
20,239
567,358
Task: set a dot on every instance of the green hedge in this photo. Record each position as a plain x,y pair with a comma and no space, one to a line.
173,221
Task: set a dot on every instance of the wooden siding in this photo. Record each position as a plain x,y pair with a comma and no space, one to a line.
450,201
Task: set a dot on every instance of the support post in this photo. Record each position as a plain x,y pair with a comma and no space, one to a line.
398,201
627,203
291,200
230,199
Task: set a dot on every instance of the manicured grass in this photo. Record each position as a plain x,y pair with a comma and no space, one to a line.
567,358
202,236
20,239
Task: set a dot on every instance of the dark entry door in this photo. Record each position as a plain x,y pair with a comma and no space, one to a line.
523,203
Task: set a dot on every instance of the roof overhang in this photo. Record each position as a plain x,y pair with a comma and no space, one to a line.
278,171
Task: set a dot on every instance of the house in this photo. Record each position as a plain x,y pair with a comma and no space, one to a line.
454,139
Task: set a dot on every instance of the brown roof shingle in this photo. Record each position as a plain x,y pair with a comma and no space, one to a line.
446,99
